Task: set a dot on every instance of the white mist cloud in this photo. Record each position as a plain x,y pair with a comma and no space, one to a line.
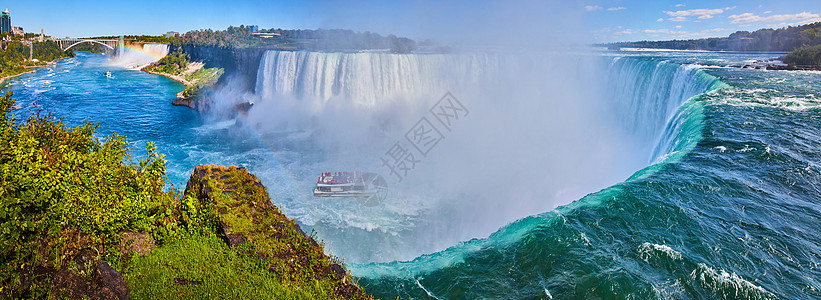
617,8
537,126
660,20
677,19
805,17
680,5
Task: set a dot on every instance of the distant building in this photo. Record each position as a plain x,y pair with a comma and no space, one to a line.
17,30
267,35
171,34
5,22
253,28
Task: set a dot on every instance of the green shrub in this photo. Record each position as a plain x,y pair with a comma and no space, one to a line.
174,63
804,55
58,183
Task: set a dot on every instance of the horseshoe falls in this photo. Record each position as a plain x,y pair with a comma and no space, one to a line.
643,174
652,175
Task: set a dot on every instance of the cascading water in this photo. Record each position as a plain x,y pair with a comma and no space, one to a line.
534,139
728,209
647,94
138,57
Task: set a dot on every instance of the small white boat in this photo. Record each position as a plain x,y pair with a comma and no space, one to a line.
108,74
350,184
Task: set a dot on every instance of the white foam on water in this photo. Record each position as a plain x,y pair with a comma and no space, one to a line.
719,281
647,251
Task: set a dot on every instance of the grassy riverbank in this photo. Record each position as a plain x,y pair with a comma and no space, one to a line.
193,75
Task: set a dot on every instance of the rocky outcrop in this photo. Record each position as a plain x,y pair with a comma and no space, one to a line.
241,65
245,214
105,283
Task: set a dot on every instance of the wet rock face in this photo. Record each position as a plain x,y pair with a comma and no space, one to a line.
105,283
242,64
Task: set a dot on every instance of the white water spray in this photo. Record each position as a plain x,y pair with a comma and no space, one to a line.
138,58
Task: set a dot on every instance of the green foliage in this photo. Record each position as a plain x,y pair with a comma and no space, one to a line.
782,39
174,63
200,79
90,47
14,57
234,37
213,271
49,51
57,183
804,55
320,39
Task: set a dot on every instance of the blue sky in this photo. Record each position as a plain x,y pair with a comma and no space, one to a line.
600,20
628,20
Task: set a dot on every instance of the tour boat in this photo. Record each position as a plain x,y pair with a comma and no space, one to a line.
350,184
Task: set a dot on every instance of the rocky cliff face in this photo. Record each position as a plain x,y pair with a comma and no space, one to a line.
240,65
245,214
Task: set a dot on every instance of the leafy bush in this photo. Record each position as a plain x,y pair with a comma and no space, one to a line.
57,183
174,63
805,55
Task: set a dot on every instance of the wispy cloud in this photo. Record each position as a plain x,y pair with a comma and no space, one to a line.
664,31
681,5
623,32
677,19
617,8
752,18
694,12
592,7
660,20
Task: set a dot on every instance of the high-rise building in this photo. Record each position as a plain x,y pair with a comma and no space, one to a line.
5,21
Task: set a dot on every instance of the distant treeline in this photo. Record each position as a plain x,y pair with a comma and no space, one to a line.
782,39
14,55
321,39
804,56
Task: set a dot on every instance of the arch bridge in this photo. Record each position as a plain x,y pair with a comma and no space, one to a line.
66,44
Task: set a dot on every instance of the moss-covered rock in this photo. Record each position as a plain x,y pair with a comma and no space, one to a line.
245,214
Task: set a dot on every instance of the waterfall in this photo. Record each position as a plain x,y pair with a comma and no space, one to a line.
543,130
138,57
365,78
